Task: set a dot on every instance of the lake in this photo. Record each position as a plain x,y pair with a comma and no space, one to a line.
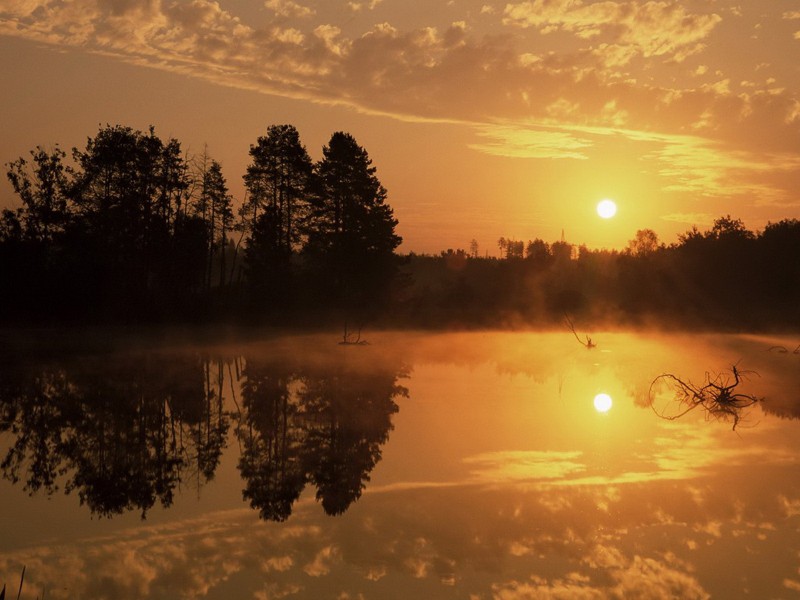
503,465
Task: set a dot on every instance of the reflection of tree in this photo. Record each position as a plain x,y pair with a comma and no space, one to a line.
121,431
270,463
33,408
316,425
350,419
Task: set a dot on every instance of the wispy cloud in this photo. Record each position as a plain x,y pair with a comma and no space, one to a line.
533,465
520,142
524,98
704,168
288,8
628,577
647,28
430,72
361,6
700,219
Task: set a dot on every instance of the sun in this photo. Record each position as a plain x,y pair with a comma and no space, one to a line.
606,208
602,403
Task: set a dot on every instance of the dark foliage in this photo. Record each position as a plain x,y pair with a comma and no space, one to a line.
726,277
131,231
111,237
351,235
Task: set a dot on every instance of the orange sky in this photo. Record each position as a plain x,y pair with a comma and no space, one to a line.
483,119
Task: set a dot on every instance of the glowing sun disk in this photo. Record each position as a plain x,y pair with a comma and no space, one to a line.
602,403
606,208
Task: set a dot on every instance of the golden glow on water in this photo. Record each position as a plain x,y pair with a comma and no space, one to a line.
602,403
494,442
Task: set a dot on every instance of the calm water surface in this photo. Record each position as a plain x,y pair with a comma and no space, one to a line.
418,466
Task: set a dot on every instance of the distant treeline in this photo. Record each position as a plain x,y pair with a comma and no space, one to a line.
726,277
133,230
130,229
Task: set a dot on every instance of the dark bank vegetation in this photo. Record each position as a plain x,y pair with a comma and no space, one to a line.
727,277
130,229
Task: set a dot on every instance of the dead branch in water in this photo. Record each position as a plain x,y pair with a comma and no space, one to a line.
347,338
588,343
717,396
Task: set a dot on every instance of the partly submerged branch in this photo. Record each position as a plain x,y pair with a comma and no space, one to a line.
588,343
351,339
717,396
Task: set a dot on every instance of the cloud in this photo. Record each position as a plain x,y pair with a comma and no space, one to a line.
649,29
427,73
519,142
361,6
704,168
523,99
700,219
288,8
532,465
637,577
322,562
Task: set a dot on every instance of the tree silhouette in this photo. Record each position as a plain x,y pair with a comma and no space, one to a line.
128,189
214,205
132,230
279,178
117,235
645,242
42,186
351,229
278,182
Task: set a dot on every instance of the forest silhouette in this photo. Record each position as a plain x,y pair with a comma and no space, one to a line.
130,229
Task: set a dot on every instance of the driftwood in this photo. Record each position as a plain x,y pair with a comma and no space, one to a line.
717,396
588,343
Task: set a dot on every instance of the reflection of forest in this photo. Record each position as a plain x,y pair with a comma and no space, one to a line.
122,432
323,426
125,431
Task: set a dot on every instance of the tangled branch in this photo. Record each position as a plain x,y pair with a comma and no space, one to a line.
717,396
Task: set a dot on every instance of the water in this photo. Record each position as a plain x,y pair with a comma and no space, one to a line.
419,466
